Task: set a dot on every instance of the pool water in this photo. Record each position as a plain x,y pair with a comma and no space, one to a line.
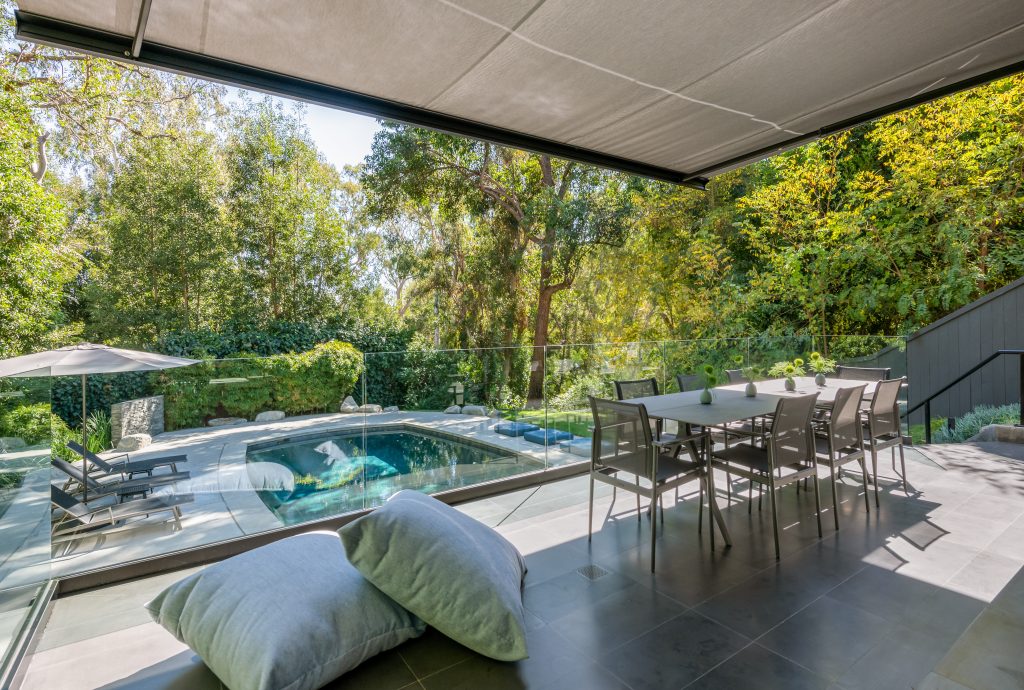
340,472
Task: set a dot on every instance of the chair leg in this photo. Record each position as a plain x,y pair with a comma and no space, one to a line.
817,503
590,510
903,467
700,507
775,514
661,503
760,495
835,499
654,535
638,498
874,473
728,488
864,474
750,496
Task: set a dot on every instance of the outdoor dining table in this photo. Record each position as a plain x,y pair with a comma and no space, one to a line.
731,404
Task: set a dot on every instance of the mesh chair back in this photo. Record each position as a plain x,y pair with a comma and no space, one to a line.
622,437
735,375
627,390
66,502
863,373
885,418
845,418
74,472
90,456
791,437
688,382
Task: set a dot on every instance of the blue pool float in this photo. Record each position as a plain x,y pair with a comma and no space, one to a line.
547,437
514,428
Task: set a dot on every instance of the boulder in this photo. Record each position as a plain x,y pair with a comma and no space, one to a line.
368,408
454,409
133,442
349,405
479,410
225,421
270,416
391,408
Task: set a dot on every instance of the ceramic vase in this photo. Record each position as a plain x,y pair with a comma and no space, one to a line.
820,380
751,389
790,384
705,397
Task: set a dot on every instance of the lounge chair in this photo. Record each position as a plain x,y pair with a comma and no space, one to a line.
113,484
126,466
74,519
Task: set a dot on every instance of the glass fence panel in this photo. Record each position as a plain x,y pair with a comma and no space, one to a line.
694,364
26,430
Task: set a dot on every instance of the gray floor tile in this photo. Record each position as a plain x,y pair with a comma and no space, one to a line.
989,655
432,652
616,619
757,667
828,637
386,671
674,654
898,662
554,598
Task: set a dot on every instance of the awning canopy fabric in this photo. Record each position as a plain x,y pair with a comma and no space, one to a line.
677,90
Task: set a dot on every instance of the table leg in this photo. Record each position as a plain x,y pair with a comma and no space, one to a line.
712,502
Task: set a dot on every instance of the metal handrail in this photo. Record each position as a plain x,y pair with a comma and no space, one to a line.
927,402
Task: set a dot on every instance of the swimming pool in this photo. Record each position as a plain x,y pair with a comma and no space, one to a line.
341,471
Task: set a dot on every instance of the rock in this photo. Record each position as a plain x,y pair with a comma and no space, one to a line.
270,416
134,442
454,409
225,421
391,408
349,404
368,408
479,410
10,443
1005,433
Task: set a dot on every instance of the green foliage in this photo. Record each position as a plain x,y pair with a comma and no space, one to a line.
819,364
312,381
971,423
101,391
97,426
31,423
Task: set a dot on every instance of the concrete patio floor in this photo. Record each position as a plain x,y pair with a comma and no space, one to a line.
877,605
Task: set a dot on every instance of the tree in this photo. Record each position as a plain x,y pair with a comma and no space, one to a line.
296,257
167,245
541,211
35,257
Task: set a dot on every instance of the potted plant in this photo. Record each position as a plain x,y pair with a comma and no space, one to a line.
820,366
708,374
750,373
789,370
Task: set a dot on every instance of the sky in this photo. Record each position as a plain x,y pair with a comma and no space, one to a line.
343,138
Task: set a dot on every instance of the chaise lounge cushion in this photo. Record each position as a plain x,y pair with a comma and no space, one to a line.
547,437
514,428
455,573
290,615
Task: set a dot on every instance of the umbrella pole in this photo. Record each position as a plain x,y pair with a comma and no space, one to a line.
85,448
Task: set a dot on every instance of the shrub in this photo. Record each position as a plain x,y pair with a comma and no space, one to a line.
971,423
311,381
31,423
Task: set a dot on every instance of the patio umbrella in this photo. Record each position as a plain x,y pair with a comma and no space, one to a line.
82,360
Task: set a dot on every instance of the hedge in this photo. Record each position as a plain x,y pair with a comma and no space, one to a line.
306,382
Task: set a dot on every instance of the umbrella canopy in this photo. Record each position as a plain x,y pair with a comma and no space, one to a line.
84,359
87,358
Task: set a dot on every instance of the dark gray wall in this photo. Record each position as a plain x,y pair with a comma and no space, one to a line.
940,352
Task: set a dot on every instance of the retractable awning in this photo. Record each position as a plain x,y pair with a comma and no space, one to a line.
674,89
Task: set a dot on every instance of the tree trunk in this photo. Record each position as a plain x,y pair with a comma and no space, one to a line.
540,340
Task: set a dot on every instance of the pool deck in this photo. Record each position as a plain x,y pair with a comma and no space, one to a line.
226,505
924,592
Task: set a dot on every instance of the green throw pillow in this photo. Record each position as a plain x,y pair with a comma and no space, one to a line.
291,615
455,573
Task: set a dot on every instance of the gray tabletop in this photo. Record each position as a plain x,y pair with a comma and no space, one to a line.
805,386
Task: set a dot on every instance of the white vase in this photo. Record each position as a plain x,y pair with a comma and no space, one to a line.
705,397
790,384
751,389
820,380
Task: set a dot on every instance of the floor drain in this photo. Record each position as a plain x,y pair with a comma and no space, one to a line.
592,572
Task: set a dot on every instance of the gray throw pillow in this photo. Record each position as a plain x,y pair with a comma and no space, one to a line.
290,615
455,573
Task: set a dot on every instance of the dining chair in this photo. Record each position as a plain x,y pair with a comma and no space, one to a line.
687,382
639,388
863,373
735,376
882,428
623,443
841,441
787,457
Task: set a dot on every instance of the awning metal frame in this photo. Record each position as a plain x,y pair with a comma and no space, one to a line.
133,49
